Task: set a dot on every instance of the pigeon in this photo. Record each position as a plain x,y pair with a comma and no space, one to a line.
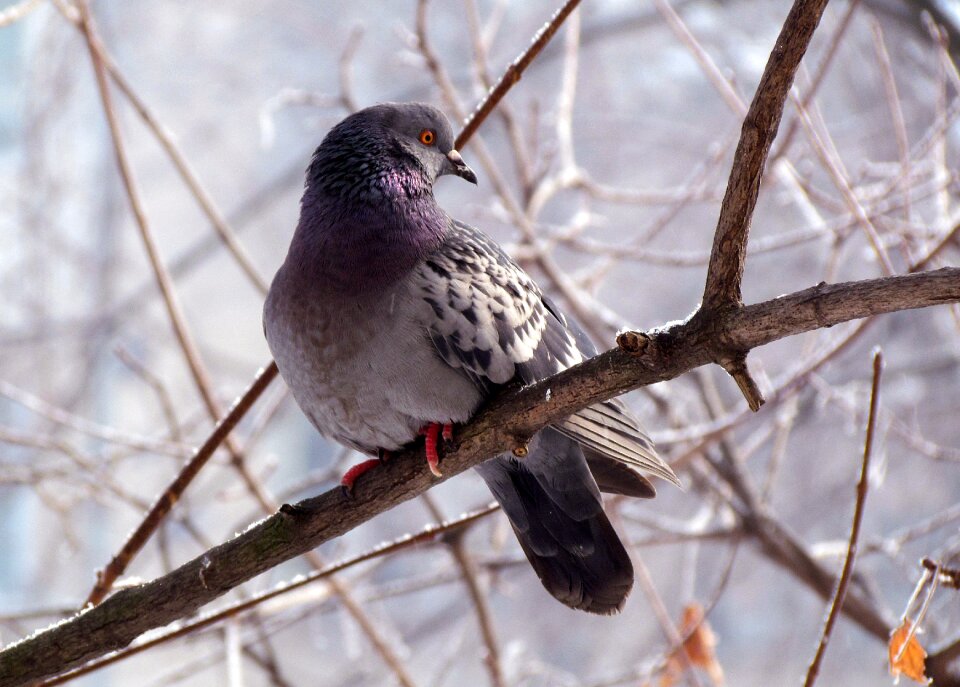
389,320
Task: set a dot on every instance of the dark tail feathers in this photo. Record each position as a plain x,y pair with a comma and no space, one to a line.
577,556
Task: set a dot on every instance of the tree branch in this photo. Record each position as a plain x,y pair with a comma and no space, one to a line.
655,356
760,126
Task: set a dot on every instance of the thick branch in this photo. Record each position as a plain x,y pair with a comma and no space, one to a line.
759,129
664,355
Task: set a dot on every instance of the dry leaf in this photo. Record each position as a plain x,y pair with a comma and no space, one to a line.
912,658
698,646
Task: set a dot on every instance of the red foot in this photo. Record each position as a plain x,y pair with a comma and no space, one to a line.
350,476
431,433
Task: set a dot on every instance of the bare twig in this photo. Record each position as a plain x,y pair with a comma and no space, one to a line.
188,347
830,158
154,382
514,72
784,141
667,626
848,561
17,11
175,489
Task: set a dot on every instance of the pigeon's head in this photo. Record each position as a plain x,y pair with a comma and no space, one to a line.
423,133
388,147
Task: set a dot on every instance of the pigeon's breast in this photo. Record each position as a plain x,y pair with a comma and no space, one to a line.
364,369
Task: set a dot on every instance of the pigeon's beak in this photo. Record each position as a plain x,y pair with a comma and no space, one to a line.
460,168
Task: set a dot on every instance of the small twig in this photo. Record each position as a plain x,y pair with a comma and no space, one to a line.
896,110
156,384
519,143
736,367
848,562
667,625
784,142
934,577
133,195
188,347
514,72
455,541
949,576
63,418
14,13
830,159
345,69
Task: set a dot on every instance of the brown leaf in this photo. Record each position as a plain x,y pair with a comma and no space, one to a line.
913,657
698,648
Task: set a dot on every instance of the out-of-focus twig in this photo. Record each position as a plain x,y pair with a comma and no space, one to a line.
180,163
455,541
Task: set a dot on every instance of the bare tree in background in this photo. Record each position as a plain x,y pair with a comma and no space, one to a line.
624,171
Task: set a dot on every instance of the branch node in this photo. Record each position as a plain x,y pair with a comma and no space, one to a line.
291,510
205,565
632,342
736,367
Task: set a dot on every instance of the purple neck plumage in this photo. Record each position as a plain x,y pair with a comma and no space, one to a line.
361,234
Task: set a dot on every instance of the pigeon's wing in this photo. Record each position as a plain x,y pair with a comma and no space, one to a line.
491,321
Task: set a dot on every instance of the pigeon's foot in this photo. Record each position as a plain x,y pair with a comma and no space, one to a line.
431,434
350,476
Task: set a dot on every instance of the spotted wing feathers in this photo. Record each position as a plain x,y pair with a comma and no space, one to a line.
492,322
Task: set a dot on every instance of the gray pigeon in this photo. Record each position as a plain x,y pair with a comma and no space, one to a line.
389,319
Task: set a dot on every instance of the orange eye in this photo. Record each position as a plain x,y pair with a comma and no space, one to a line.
427,137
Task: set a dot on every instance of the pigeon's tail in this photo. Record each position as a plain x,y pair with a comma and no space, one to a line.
554,505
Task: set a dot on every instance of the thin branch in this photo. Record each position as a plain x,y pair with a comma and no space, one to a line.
829,157
16,12
759,129
783,145
175,489
156,384
514,72
848,561
188,347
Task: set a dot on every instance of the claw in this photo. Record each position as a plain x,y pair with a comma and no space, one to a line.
431,433
350,476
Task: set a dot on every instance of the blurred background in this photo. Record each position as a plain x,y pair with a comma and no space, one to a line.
603,174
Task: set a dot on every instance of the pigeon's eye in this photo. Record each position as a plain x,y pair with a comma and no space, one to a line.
428,137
